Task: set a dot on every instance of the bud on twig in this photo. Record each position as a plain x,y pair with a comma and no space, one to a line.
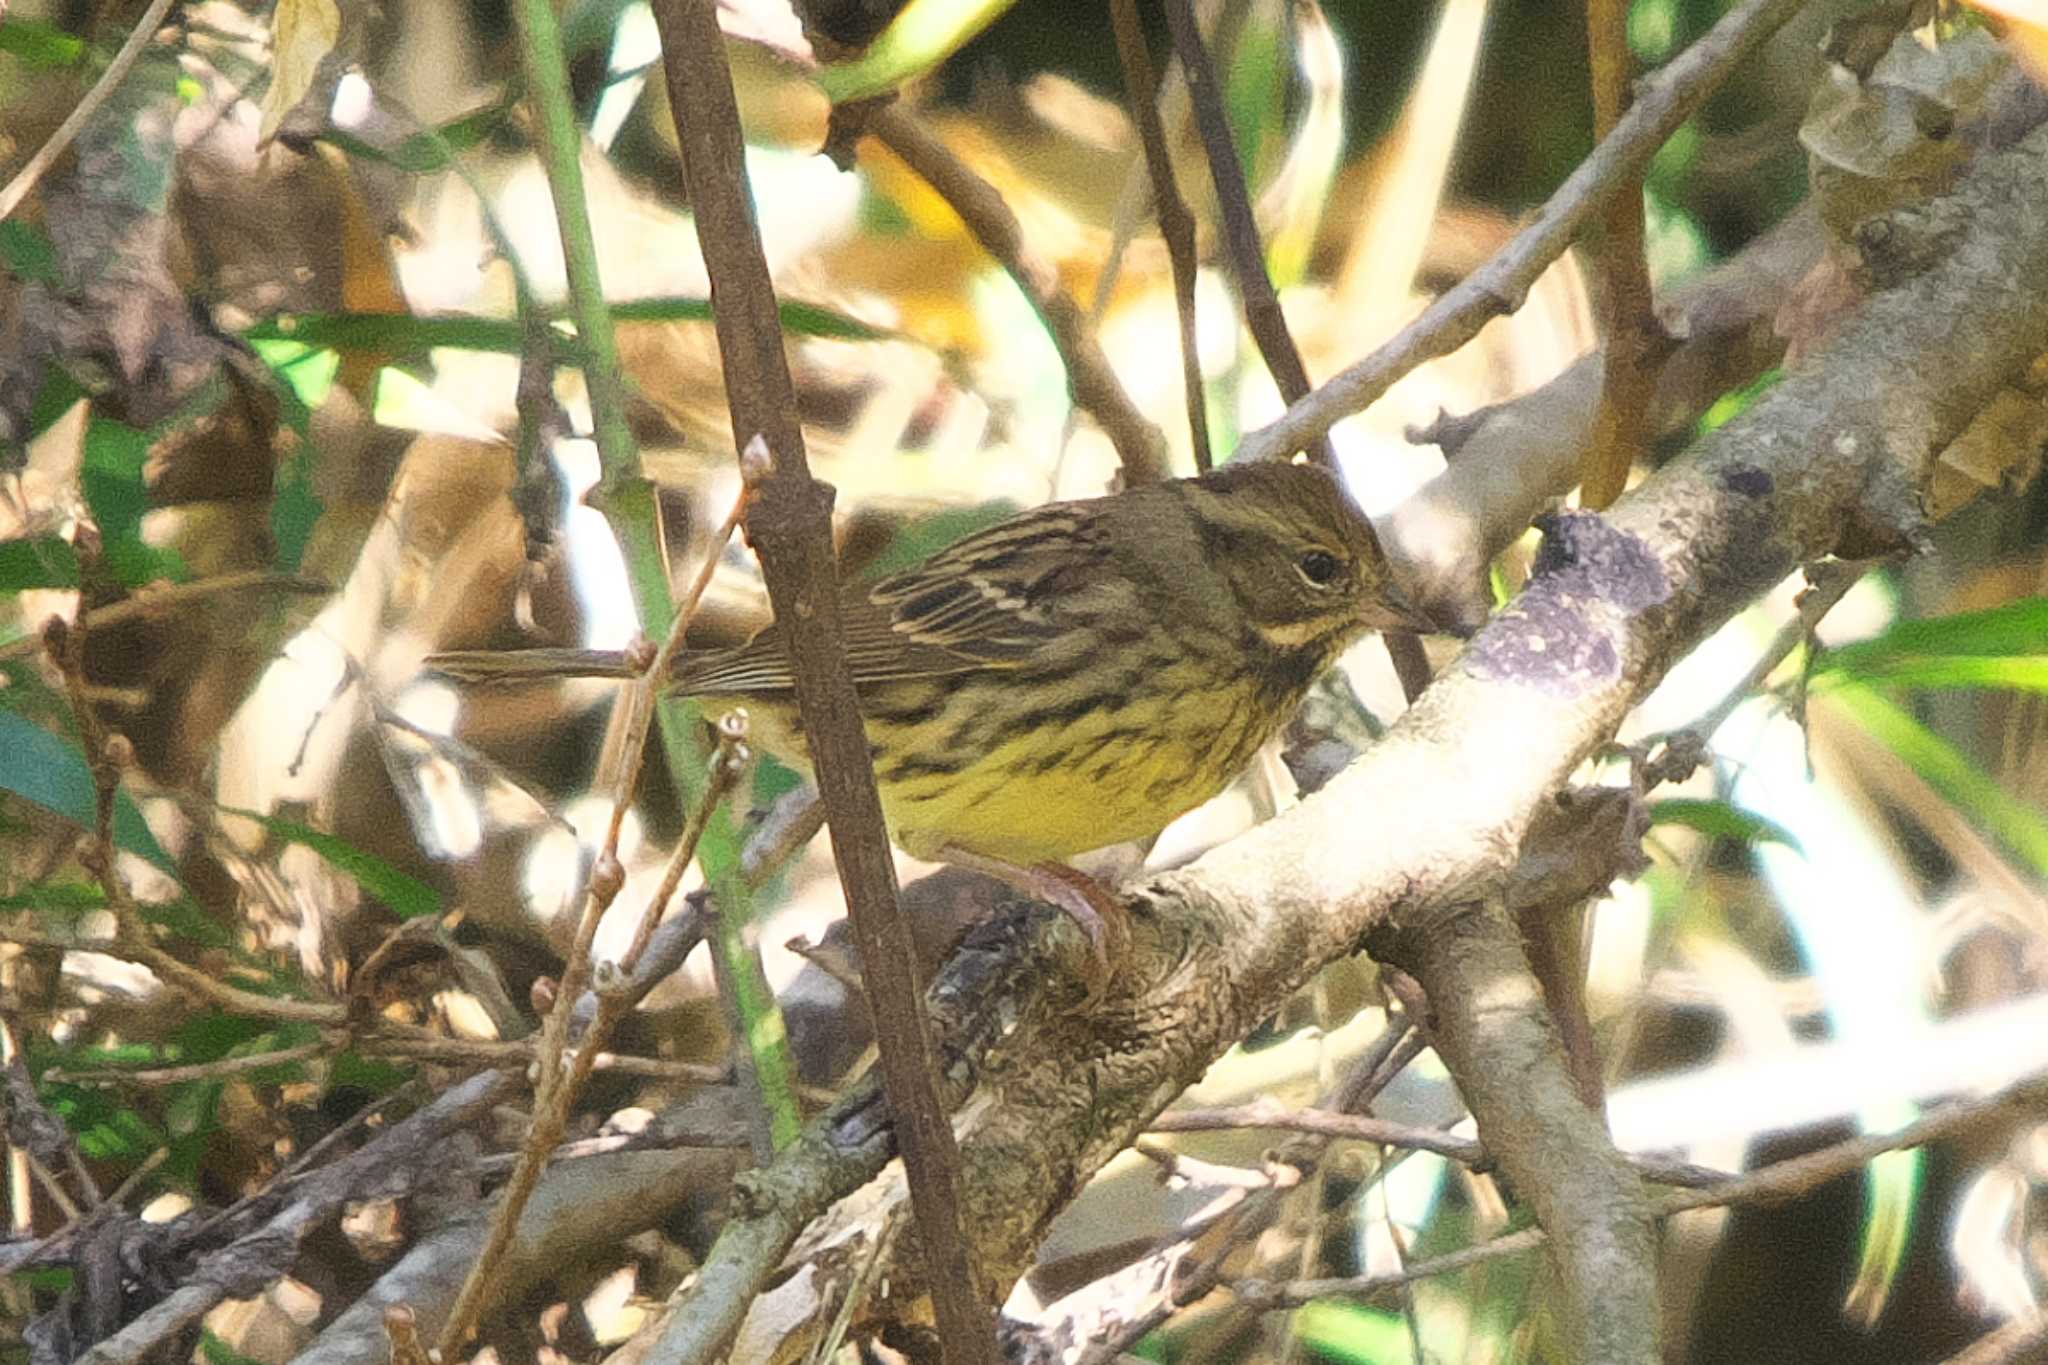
757,462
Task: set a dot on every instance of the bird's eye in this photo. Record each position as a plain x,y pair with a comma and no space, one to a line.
1319,567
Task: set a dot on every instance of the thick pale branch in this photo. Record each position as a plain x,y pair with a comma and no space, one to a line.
1513,460
581,1210
1495,1034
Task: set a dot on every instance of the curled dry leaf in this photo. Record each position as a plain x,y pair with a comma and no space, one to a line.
302,33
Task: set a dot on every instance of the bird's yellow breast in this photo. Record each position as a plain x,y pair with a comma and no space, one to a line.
1105,777
1109,774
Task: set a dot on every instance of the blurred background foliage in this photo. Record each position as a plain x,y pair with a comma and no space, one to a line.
309,254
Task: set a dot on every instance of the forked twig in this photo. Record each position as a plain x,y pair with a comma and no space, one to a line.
1262,311
557,1086
1772,1184
1096,388
1664,100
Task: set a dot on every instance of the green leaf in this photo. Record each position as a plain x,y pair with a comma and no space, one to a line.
183,918
407,896
218,1352
2017,824
2017,631
1735,402
66,901
1722,820
1955,671
305,377
106,1128
50,771
428,152
923,34
400,332
45,562
1347,1332
26,253
801,319
40,44
374,1074
191,1109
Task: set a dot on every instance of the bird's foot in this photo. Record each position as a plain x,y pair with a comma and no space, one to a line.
1092,907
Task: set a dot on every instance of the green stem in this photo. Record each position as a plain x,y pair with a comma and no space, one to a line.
627,500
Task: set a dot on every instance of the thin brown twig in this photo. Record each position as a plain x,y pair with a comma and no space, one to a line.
1664,100
1635,341
790,528
1250,1209
133,1180
1245,252
1096,388
1364,1128
131,943
1190,1170
1176,222
52,1186
195,1071
160,598
523,1052
1773,1184
1262,312
1635,348
332,1139
1829,584
557,1087
727,765
110,80
1397,1044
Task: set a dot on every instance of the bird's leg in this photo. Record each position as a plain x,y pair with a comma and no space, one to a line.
1092,907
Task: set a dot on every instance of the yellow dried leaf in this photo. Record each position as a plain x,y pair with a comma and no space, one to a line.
301,33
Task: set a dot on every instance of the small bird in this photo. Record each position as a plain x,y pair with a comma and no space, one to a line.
1075,676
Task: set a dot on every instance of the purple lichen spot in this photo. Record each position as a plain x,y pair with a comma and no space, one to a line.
1587,557
1556,634
1747,480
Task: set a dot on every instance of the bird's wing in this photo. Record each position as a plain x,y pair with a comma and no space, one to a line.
987,601
997,595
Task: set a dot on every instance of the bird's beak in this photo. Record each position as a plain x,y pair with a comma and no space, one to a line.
1391,609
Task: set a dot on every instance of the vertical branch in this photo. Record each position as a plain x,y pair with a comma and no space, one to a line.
1176,223
1490,1024
789,524
1261,304
1635,341
1246,253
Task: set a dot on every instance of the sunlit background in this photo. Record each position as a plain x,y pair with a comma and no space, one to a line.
1843,916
